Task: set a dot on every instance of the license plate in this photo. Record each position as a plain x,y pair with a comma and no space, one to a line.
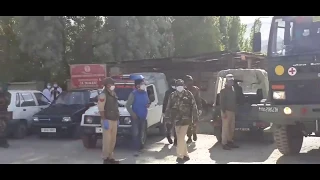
242,129
48,130
98,130
269,109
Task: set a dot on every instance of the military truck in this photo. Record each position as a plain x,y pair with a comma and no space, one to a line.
293,61
255,87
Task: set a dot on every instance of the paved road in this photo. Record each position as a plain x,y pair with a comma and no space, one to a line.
33,150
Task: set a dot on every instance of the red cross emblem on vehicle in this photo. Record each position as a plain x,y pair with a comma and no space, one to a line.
292,71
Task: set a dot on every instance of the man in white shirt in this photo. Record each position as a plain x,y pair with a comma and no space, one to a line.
47,93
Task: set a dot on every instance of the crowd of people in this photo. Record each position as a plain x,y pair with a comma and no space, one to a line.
182,107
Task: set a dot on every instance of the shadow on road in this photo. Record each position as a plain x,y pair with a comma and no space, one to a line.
249,151
310,157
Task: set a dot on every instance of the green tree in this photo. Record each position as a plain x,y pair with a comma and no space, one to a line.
196,34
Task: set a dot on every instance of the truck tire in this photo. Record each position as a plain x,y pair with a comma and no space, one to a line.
89,141
218,133
288,139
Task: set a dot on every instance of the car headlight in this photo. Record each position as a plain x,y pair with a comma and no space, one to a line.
89,120
127,120
35,119
279,95
287,111
66,119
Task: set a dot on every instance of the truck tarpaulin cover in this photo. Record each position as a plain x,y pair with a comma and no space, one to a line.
87,75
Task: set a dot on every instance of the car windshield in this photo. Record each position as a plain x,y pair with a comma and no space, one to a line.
123,91
295,35
75,97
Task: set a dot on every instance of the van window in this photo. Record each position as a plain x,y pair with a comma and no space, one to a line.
151,94
27,99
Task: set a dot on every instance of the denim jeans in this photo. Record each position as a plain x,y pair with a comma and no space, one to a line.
138,126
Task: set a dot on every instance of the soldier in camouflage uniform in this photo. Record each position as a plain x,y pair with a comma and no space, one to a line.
192,130
4,103
182,112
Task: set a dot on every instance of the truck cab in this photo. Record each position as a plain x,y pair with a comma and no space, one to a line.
293,60
156,88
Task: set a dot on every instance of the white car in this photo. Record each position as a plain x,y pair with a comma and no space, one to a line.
91,121
24,104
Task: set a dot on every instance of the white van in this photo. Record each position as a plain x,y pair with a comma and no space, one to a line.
156,87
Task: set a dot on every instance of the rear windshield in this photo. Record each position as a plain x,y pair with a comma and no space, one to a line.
123,91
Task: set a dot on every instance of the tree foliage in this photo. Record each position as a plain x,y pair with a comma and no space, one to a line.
42,47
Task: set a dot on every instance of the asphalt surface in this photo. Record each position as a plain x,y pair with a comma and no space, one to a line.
33,150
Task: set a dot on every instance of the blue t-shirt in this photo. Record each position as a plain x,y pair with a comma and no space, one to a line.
139,106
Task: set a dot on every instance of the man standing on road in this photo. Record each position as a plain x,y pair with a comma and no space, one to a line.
181,111
169,126
137,105
192,131
228,105
4,103
109,112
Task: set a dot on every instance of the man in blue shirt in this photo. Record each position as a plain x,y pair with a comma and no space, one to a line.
137,105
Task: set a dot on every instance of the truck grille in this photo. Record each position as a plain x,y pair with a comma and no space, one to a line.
97,119
301,92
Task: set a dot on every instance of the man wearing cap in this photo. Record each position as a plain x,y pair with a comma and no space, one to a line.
182,112
169,126
137,105
192,131
109,112
228,105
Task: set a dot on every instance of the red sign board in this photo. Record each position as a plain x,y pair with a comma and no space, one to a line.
84,76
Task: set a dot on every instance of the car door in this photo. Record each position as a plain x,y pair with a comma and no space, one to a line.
155,110
28,106
42,101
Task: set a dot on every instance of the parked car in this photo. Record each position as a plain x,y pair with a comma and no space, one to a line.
24,104
63,116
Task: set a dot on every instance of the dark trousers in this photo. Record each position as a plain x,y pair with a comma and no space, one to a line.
191,131
137,128
171,128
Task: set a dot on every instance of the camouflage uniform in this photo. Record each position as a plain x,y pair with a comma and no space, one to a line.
181,111
196,93
4,103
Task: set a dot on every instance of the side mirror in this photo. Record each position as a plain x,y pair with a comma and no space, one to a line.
256,46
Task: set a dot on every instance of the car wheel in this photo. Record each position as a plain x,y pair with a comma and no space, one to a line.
89,141
43,135
21,131
76,134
